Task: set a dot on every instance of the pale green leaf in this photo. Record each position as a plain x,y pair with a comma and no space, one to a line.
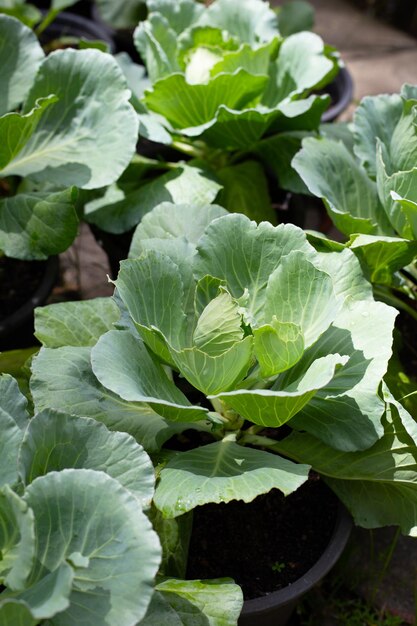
13,420
351,199
17,540
20,58
251,21
185,105
55,441
379,485
274,407
88,518
216,602
180,15
219,326
13,404
221,472
36,225
122,364
156,43
121,16
183,185
70,142
75,323
383,256
62,379
16,129
169,221
277,346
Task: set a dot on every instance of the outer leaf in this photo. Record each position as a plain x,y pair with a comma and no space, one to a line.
195,603
123,365
278,151
75,323
16,129
303,63
186,184
375,117
12,420
55,441
382,256
180,15
346,413
295,16
246,191
275,407
174,535
352,199
55,383
37,225
17,540
379,485
221,472
249,21
20,58
185,105
156,43
169,221
87,518
74,151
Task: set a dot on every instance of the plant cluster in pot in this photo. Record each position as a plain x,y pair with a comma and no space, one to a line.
375,204
226,90
271,352
59,114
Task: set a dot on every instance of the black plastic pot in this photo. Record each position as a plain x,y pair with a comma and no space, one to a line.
71,25
16,330
276,608
341,93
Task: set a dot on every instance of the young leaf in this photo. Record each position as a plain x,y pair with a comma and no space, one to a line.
221,472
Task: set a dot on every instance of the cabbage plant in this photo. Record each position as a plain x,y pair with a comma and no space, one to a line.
223,86
222,325
58,116
374,201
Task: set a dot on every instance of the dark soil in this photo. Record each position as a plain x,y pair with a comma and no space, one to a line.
264,545
18,281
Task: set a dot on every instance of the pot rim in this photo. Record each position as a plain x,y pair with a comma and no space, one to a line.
323,565
89,28
345,81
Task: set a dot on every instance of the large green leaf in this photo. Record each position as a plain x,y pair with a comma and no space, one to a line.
278,151
62,379
17,540
303,63
16,129
174,535
375,117
383,256
13,419
346,413
183,185
180,15
88,519
295,16
16,613
251,22
170,221
20,58
75,323
122,364
156,43
233,238
254,60
379,485
55,441
216,602
221,472
185,105
350,198
245,190
70,142
276,406
36,225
